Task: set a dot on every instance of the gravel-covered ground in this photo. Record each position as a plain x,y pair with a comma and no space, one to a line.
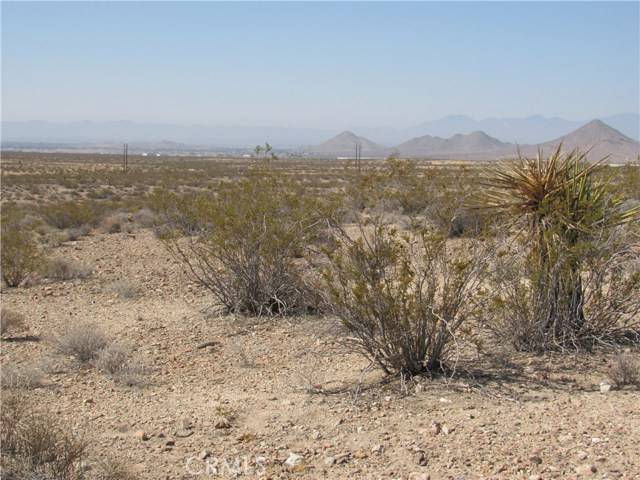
281,398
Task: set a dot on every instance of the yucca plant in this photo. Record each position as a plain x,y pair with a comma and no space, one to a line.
565,207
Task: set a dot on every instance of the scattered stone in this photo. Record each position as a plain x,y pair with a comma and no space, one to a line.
535,459
582,455
605,387
204,454
377,449
222,423
294,463
586,470
447,429
535,477
141,435
436,428
184,433
360,454
88,401
207,344
329,461
421,458
170,442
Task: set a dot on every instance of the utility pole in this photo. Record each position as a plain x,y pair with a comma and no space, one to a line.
125,157
358,157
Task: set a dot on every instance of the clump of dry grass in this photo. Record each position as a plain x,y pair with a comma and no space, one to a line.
81,341
10,321
37,446
116,223
124,289
65,269
117,361
26,376
625,370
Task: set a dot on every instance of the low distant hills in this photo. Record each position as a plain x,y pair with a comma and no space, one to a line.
344,145
596,136
455,136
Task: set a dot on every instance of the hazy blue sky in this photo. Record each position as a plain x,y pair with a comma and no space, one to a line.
317,64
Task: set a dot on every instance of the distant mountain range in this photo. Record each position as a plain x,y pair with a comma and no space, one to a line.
529,130
597,137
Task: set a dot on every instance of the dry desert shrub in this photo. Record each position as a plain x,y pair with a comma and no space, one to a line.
144,218
116,223
37,446
26,376
81,341
403,297
20,255
73,214
118,362
66,269
124,289
111,469
10,321
247,244
625,370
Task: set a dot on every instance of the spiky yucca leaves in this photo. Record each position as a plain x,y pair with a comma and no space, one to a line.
566,210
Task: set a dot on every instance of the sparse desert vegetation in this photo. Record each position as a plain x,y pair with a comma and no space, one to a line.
313,320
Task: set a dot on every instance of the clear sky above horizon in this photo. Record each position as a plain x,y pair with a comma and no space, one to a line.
317,64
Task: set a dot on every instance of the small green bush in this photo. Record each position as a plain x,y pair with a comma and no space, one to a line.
247,243
20,254
73,214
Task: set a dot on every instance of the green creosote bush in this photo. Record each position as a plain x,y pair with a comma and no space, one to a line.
20,254
247,243
404,297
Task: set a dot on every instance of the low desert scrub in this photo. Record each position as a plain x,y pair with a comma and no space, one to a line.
20,255
37,446
403,297
144,218
65,269
72,214
575,281
10,321
117,361
117,223
124,289
81,341
249,245
25,376
625,370
110,469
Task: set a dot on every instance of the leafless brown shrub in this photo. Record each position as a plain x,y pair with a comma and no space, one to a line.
81,341
10,321
66,269
625,370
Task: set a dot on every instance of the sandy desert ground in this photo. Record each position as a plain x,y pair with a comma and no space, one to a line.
228,397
